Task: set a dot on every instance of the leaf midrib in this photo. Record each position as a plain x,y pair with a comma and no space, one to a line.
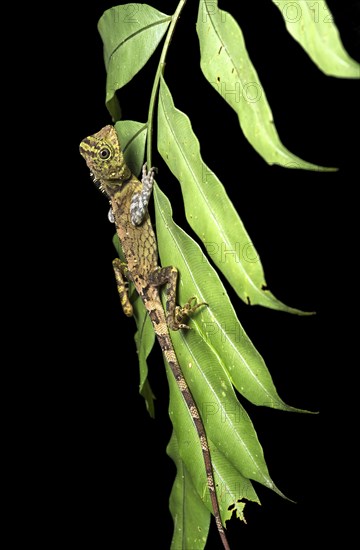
139,31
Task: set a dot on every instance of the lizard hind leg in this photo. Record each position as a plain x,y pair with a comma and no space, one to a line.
120,270
182,312
175,315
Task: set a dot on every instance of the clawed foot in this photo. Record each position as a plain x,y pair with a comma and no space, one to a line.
182,312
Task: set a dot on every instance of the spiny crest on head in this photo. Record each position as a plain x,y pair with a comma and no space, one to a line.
104,157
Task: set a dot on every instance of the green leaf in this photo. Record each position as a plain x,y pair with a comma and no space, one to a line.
227,66
311,24
208,208
190,515
144,340
228,426
232,488
132,138
217,324
130,33
232,439
118,248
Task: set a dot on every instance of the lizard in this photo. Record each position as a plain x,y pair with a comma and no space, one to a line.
129,198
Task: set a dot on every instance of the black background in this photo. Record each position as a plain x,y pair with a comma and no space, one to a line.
109,475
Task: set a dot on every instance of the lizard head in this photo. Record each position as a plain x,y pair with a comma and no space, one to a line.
105,159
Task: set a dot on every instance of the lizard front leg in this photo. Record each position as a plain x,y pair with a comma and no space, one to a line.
139,201
175,315
121,270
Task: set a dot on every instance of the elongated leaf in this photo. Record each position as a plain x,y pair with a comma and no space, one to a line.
190,515
227,66
217,324
227,424
233,489
208,208
312,25
144,338
130,33
208,380
132,137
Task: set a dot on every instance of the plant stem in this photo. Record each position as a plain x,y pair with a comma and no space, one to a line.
159,73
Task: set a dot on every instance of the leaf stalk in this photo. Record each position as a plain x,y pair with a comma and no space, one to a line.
159,73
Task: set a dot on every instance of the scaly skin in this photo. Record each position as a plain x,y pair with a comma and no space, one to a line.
128,198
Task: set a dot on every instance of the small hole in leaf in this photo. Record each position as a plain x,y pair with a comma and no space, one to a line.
264,287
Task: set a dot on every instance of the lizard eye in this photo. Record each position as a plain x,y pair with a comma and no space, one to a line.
104,153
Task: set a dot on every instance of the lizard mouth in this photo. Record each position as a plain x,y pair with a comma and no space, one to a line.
95,180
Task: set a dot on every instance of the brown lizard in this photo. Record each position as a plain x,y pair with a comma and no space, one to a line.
129,199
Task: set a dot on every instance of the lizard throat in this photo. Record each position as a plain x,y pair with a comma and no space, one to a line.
110,187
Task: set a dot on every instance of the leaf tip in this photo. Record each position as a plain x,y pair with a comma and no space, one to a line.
304,313
281,494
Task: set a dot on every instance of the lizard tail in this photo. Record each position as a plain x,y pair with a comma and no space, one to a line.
168,350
